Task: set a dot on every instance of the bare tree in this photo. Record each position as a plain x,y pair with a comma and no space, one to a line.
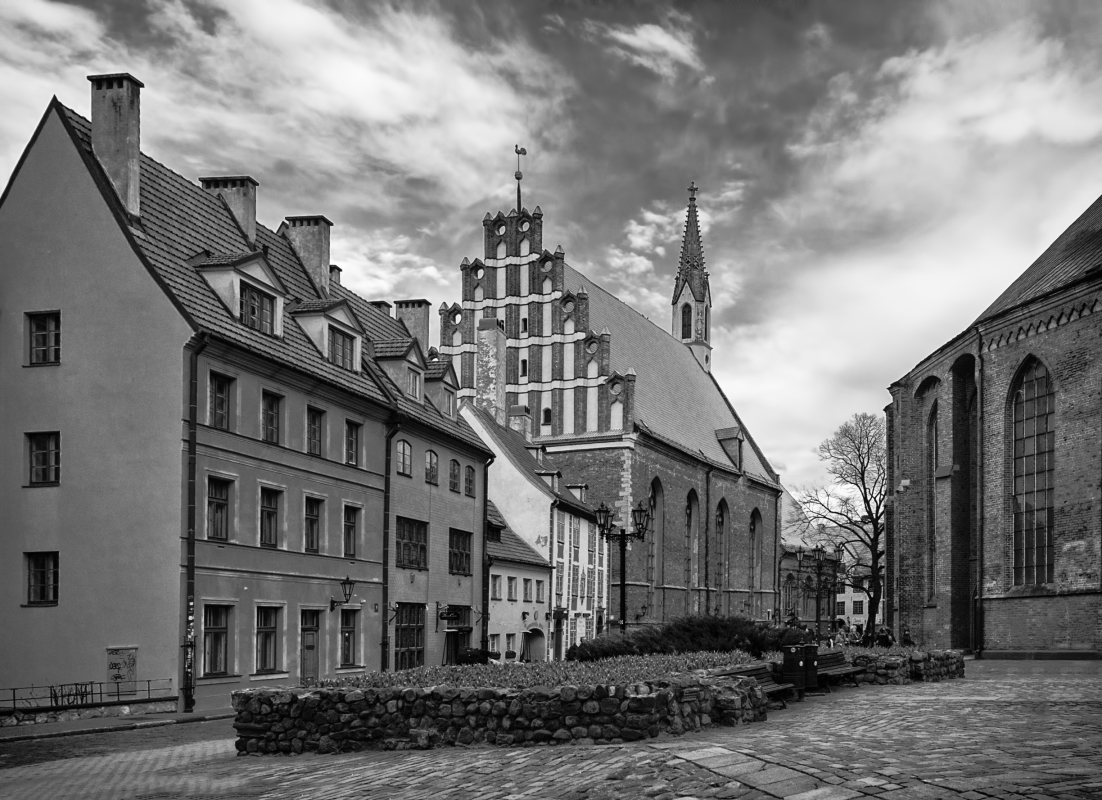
848,513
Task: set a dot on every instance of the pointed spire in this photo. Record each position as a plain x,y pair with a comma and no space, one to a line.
690,268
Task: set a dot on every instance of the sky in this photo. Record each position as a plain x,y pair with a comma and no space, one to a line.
872,175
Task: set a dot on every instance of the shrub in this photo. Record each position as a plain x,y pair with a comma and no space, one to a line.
621,670
688,634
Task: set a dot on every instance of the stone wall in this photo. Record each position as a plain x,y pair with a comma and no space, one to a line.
920,666
38,716
346,719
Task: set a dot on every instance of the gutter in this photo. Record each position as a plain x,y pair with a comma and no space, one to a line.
197,345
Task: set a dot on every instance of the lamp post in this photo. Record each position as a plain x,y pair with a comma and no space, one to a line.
640,517
819,553
347,585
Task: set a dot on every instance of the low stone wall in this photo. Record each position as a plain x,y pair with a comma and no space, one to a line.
33,716
344,719
920,666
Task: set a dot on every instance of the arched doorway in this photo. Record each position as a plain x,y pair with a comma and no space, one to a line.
535,646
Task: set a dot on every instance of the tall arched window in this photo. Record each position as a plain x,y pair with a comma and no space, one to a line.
754,562
432,467
686,321
405,458
788,599
721,545
690,514
1033,409
657,535
931,504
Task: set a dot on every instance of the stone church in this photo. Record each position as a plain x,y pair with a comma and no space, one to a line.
994,461
627,408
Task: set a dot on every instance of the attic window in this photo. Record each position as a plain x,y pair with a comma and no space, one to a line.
449,404
413,384
257,308
342,348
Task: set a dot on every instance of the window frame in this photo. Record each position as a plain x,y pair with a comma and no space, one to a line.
858,607
51,348
404,461
220,388
350,530
214,505
539,590
460,546
271,408
432,468
43,570
409,636
454,479
526,589
411,543
495,587
352,439
469,482
315,431
265,302
349,623
267,640
269,517
413,383
1033,542
312,520
44,472
342,349
511,588
215,634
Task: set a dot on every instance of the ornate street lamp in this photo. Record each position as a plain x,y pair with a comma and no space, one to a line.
640,518
347,585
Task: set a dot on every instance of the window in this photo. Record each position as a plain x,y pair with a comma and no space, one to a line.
511,643
931,505
256,308
468,484
527,590
352,443
348,637
409,636
546,416
858,607
559,569
539,591
342,349
269,404
560,540
413,383
44,338
312,525
495,587
840,608
315,423
411,538
267,639
576,538
42,577
592,541
351,530
449,404
431,468
459,552
495,643
1034,410
686,321
512,583
220,401
405,458
45,452
218,508
524,368
453,476
269,518
216,625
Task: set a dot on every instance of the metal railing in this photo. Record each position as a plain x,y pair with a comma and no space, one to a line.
91,693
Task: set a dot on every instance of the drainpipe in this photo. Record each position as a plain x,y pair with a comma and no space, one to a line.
977,615
384,645
486,560
195,346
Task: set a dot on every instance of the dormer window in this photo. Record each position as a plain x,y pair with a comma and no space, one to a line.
257,309
342,348
449,404
413,384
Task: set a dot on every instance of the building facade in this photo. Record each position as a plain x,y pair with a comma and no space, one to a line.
627,408
520,582
994,462
199,433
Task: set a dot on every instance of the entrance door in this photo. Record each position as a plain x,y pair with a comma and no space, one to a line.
308,658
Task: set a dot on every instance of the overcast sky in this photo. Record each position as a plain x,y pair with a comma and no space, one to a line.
871,174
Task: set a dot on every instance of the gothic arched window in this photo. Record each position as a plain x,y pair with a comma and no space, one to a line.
686,321
721,534
1033,414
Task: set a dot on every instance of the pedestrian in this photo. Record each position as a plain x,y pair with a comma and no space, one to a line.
906,638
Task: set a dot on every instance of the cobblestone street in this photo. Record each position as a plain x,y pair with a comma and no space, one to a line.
1012,729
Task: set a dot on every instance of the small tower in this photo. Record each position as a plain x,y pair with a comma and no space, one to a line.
692,298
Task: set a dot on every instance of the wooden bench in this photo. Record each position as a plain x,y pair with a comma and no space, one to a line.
833,665
763,674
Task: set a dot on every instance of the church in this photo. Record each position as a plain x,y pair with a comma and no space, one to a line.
994,464
628,409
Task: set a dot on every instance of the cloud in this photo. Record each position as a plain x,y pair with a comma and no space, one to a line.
663,49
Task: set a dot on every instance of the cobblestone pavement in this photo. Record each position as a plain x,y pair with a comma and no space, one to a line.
1010,730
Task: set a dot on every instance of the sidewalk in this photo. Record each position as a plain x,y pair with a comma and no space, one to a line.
79,727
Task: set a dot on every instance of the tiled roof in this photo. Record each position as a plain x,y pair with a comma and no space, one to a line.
515,447
221,259
430,415
511,547
378,324
1075,253
311,306
435,370
392,348
674,397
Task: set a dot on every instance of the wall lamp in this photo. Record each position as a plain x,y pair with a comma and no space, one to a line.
524,615
347,585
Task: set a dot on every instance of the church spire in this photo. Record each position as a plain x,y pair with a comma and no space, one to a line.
692,297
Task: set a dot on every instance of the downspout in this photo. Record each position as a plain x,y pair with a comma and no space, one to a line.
196,346
384,645
977,616
487,562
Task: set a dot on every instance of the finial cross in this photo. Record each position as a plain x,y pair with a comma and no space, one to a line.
693,190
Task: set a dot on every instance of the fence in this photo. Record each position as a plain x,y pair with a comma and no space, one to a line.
92,693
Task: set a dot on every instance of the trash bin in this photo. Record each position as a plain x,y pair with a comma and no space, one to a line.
792,669
811,666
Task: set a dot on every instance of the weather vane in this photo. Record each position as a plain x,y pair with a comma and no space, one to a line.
520,151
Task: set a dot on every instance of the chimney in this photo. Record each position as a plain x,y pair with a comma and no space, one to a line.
116,139
415,315
334,275
521,421
310,236
490,370
239,192
382,305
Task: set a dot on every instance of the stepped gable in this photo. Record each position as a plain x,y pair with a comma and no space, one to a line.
675,399
511,547
1076,253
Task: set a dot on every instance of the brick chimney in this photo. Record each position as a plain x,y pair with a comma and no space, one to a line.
310,236
239,192
415,315
521,421
116,129
490,369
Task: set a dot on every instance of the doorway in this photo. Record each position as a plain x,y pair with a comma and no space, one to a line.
308,657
